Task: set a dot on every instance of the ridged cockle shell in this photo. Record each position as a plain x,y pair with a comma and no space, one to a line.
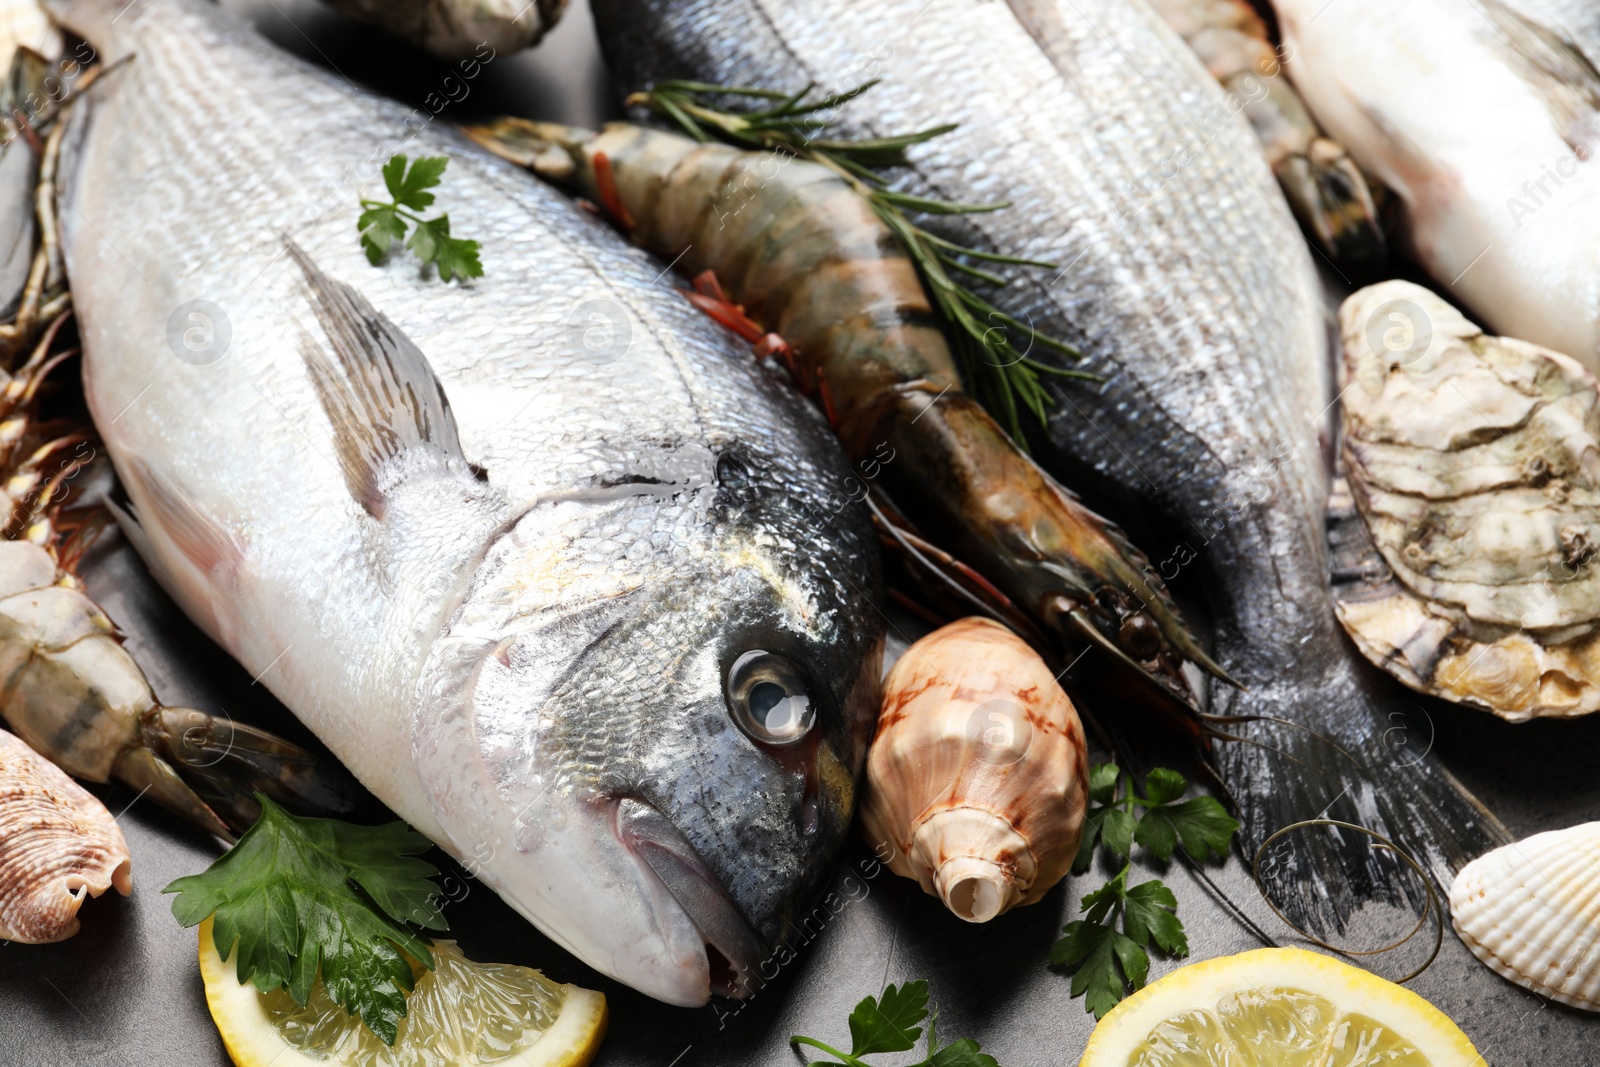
1465,532
1531,911
57,843
978,775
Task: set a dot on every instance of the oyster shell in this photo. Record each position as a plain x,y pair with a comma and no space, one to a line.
1465,526
57,843
978,776
1531,912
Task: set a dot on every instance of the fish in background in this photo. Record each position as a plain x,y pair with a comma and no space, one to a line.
1190,291
547,559
1484,119
29,46
457,29
1326,190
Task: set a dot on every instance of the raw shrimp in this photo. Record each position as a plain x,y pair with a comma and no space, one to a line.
1326,190
802,253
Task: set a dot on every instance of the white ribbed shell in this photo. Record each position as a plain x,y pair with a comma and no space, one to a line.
57,843
1531,911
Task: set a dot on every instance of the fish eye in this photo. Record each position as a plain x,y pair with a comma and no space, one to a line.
770,698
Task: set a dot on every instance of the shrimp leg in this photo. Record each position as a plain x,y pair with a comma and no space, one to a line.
809,260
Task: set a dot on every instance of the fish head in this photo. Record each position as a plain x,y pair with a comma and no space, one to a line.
657,727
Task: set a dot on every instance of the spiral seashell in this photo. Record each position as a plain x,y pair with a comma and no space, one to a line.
978,776
57,843
1466,527
1531,911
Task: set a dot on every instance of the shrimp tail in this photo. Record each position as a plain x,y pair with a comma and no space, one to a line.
224,763
153,777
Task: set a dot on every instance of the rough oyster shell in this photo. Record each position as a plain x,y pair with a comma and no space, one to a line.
57,843
978,776
1465,529
1531,912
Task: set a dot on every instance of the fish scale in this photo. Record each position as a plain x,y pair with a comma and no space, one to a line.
498,543
1190,292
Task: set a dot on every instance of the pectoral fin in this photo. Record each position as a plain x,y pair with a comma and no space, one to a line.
375,385
208,554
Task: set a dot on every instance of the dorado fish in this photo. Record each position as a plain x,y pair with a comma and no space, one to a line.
560,572
1185,284
1484,119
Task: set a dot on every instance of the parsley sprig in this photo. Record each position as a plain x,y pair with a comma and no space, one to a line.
994,347
381,224
893,1023
1108,962
295,896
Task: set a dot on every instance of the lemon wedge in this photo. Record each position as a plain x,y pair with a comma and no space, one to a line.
1277,1007
460,1012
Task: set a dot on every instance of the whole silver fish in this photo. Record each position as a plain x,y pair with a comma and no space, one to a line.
1189,290
540,557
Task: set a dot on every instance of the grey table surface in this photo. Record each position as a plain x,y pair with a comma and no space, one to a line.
126,990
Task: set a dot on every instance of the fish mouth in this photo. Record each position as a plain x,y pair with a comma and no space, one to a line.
733,948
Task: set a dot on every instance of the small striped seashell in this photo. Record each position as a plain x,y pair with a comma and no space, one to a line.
1531,911
57,844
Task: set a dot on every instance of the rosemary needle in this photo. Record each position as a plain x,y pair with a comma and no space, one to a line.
1002,375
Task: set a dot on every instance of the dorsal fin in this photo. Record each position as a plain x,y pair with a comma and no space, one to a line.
376,386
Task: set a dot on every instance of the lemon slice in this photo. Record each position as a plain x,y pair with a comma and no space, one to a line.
1277,1007
461,1012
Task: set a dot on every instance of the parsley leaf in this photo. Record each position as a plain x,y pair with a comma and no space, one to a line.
407,187
380,228
1103,959
1204,825
1103,782
1102,797
1106,949
381,225
892,1023
962,1053
295,897
1151,914
1162,785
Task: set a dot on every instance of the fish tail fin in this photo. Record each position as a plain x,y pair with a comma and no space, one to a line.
1359,758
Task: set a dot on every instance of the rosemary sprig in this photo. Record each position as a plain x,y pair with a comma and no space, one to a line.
1004,377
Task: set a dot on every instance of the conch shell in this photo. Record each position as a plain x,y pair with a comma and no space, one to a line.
1464,532
1531,911
57,843
978,777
